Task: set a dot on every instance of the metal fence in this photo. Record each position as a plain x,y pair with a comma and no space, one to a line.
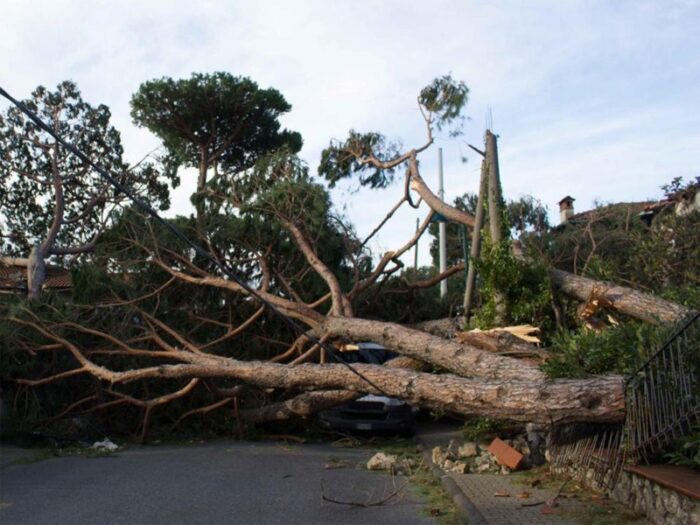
663,404
663,395
594,454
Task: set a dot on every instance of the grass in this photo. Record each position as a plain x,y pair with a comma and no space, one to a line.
591,508
424,484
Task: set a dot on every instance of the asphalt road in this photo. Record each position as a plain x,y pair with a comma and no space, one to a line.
215,483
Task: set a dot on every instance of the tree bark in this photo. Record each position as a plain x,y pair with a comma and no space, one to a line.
503,343
462,359
309,403
476,240
500,342
599,399
433,201
36,273
495,209
626,300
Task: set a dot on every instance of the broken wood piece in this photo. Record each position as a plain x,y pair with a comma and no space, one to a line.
501,342
521,331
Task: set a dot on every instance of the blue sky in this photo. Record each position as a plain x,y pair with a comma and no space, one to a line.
599,100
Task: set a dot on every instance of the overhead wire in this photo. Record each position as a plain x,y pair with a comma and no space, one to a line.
146,208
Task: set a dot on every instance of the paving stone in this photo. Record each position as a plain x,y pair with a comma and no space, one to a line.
480,489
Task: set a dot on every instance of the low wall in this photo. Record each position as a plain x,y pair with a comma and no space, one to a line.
661,505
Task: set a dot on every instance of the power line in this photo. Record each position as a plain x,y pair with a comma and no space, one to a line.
182,237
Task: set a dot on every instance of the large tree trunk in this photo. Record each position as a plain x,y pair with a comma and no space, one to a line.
504,393
495,219
560,401
627,300
310,403
476,239
460,358
36,273
599,399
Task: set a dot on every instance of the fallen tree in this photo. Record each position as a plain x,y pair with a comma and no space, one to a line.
180,332
526,399
627,300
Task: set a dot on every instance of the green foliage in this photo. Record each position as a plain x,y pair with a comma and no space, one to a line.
524,286
213,121
444,99
343,159
615,350
686,451
441,103
482,428
613,243
228,119
527,217
33,168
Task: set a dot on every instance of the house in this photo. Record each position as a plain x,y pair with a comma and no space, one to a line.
683,202
13,276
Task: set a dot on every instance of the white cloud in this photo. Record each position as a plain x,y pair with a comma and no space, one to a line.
596,98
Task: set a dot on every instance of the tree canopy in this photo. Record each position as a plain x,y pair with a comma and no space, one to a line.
51,203
217,121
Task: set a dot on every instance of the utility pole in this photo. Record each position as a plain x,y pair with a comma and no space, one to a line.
495,201
442,228
495,197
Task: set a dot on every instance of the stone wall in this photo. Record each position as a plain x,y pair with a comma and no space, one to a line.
661,505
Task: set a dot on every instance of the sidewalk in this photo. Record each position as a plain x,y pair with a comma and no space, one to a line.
475,493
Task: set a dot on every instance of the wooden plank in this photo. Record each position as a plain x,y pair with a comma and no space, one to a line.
681,479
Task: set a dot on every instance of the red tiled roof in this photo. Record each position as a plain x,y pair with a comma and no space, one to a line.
13,276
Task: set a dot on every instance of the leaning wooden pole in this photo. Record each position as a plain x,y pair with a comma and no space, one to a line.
476,240
495,200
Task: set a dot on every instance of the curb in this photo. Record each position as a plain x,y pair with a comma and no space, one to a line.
463,503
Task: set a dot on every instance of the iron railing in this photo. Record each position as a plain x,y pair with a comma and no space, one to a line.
663,395
594,455
663,404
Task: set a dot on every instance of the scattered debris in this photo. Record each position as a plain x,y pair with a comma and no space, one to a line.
470,456
502,494
105,445
460,467
551,502
522,331
382,461
468,450
364,504
505,454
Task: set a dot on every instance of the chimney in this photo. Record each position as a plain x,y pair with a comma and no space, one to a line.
566,209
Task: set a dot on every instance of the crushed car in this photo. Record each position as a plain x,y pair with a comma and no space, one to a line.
370,412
